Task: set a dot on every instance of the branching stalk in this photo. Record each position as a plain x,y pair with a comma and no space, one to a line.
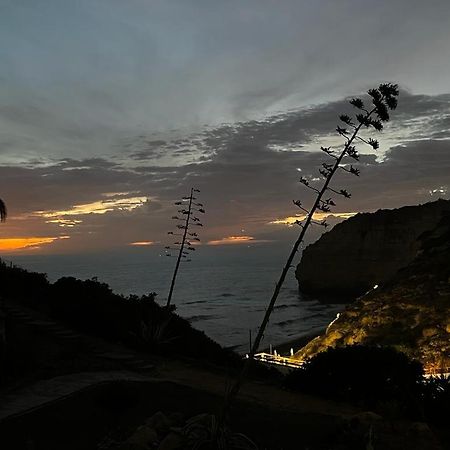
180,253
383,98
189,210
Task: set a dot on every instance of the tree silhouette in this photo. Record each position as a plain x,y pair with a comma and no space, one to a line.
188,208
383,98
3,211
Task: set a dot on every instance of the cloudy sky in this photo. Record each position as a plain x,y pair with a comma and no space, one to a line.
111,110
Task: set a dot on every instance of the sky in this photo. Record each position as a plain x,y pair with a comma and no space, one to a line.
110,111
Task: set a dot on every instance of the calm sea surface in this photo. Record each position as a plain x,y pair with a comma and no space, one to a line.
224,290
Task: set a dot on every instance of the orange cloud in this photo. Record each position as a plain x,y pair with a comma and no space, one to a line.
13,244
232,240
64,218
65,222
317,216
141,243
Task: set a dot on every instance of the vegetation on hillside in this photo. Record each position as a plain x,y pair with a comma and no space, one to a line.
410,313
92,307
378,379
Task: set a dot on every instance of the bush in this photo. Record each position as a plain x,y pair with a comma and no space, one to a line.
371,377
436,400
92,307
18,283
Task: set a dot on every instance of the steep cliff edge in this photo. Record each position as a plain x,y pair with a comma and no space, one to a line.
410,313
365,250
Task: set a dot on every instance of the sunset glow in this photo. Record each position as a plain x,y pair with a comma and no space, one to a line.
317,216
98,207
224,224
141,243
69,223
13,244
235,240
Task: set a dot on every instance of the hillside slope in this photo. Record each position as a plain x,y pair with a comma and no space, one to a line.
410,313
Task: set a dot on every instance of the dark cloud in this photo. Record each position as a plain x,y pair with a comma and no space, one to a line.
126,68
247,173
233,97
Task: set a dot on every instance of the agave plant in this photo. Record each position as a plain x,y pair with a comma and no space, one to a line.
186,221
205,432
383,99
154,333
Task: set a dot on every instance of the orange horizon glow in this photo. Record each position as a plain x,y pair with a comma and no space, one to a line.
235,240
141,243
21,243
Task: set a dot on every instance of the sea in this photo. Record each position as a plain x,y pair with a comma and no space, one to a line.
223,290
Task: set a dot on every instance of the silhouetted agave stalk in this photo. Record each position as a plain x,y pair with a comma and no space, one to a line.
384,98
3,212
185,222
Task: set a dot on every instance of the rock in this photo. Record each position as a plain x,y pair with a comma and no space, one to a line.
422,434
366,417
176,419
144,438
159,422
366,250
420,428
429,332
173,441
133,446
407,314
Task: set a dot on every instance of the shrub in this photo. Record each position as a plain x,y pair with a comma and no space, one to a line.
436,400
18,283
371,377
92,307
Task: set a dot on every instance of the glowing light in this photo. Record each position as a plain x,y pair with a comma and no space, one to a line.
331,323
439,190
278,360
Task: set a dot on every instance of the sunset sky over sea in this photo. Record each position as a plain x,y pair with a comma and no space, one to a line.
111,110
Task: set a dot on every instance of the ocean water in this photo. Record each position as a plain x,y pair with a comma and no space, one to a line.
223,291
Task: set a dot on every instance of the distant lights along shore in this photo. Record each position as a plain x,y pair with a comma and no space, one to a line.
276,359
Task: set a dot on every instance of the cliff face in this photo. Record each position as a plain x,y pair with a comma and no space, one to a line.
410,313
366,250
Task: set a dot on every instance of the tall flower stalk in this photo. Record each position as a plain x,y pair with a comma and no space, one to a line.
188,219
383,99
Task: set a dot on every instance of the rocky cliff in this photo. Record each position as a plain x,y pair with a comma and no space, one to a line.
410,313
365,250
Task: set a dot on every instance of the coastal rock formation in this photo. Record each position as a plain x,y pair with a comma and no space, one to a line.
365,250
410,313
